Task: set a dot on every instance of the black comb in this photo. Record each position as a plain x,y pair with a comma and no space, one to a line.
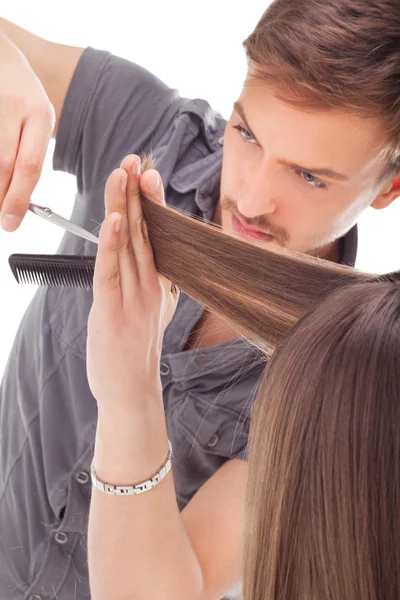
53,270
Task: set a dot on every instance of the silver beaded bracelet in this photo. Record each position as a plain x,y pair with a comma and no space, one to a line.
132,490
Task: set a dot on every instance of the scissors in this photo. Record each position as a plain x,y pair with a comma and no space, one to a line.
49,215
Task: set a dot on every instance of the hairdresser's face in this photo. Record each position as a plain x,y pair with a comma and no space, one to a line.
272,153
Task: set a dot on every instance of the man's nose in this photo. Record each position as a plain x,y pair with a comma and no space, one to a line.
257,197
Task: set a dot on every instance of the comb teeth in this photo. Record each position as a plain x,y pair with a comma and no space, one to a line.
53,270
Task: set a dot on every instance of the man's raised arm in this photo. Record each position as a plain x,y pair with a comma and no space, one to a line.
35,75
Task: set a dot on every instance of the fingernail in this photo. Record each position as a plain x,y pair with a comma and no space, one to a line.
10,222
124,182
136,168
153,182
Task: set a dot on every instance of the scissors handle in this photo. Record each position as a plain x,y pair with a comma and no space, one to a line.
49,215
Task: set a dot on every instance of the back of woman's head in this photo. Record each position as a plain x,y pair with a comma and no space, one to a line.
324,472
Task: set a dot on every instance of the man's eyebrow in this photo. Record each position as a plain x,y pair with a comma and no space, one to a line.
315,171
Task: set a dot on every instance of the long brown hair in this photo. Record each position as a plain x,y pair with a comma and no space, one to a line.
323,498
263,291
323,514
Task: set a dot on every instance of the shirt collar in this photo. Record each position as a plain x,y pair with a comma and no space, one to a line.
349,247
203,176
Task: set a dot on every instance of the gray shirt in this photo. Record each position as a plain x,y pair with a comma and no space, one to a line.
47,412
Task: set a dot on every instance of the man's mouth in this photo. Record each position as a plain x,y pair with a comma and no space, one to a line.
251,233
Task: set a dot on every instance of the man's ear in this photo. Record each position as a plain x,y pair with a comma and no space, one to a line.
388,194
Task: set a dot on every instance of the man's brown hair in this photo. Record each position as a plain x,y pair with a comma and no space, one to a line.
334,54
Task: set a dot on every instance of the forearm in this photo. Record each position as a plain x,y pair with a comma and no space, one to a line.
138,545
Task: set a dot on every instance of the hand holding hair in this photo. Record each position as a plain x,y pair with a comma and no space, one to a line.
133,303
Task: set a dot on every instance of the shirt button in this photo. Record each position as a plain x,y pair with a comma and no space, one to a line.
165,369
61,537
82,477
213,441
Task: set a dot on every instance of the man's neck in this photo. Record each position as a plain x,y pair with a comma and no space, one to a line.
332,251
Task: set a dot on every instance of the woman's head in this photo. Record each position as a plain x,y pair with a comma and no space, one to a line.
324,459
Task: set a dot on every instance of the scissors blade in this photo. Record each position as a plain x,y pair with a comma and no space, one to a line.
49,215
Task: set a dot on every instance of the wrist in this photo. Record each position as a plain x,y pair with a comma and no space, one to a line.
130,449
130,489
132,408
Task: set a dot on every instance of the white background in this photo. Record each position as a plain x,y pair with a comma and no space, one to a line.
194,47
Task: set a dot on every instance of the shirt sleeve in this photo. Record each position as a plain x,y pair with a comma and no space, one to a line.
243,454
113,107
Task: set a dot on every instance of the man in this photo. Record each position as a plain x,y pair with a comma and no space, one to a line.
312,141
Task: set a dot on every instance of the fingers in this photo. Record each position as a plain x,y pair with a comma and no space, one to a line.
151,185
152,188
132,163
116,201
21,162
135,255
9,137
134,204
107,292
147,272
115,277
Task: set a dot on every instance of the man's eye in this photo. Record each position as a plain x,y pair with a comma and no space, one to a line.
246,135
310,179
